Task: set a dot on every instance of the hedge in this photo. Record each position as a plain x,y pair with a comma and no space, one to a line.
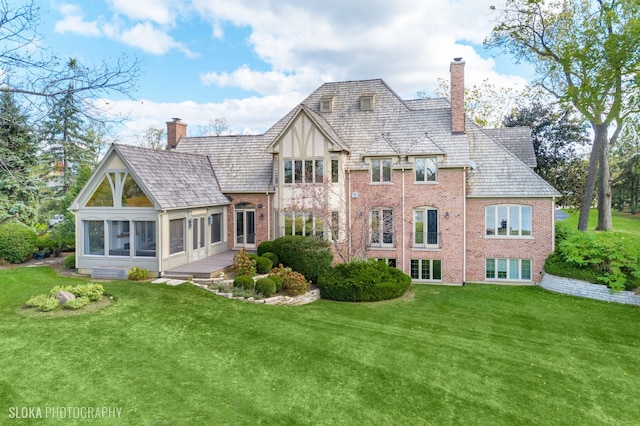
17,242
363,281
307,255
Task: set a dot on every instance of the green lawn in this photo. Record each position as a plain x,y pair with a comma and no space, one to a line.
479,354
622,222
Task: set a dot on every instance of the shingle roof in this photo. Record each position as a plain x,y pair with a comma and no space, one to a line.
394,127
240,162
517,140
173,179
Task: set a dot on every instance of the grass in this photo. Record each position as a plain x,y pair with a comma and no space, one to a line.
478,354
622,222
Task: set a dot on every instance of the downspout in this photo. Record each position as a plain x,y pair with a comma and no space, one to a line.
464,226
348,213
553,224
403,220
268,217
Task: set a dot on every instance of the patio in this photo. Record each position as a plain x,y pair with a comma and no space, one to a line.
205,268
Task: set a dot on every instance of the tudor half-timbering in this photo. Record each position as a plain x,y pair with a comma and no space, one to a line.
414,182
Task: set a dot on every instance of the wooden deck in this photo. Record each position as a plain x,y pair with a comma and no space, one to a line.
209,267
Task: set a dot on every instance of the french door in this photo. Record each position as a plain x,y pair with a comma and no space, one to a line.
245,228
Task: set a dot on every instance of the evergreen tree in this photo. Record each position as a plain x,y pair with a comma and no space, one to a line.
20,185
71,140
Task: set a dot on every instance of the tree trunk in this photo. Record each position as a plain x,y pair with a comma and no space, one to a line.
604,189
600,138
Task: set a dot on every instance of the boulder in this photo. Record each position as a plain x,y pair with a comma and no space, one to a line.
64,296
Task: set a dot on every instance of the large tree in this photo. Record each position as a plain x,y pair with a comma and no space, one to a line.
558,136
20,186
585,52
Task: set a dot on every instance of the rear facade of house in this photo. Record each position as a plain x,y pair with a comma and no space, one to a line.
413,182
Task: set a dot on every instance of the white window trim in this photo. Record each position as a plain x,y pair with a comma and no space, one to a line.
381,167
425,181
425,244
293,170
508,235
508,270
420,262
381,244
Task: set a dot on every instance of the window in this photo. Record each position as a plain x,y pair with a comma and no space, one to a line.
508,269
381,227
508,220
198,232
335,226
426,169
381,170
425,227
335,171
302,223
176,236
145,239
94,237
366,103
132,195
118,189
119,238
426,269
388,261
303,171
103,195
326,104
216,228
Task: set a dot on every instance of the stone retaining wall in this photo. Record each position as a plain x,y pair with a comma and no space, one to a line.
588,290
308,297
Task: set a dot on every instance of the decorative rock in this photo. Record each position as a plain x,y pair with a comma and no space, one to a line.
227,295
64,296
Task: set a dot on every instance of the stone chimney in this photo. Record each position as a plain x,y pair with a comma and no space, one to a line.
176,129
456,69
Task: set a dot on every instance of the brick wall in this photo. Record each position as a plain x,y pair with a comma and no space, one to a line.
536,248
262,223
447,195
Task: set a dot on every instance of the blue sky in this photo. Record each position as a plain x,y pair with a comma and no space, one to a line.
251,61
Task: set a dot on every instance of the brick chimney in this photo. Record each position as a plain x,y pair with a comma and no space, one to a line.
176,129
456,69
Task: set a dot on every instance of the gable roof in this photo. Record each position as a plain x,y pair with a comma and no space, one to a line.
170,179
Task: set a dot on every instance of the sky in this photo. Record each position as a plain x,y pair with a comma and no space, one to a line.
252,61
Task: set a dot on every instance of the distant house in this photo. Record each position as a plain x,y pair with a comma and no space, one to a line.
413,182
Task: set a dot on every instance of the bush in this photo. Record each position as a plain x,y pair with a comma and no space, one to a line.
253,256
137,274
244,281
69,262
273,257
43,302
17,242
266,286
264,247
244,264
613,256
77,303
278,280
307,255
263,265
92,292
45,243
363,281
293,283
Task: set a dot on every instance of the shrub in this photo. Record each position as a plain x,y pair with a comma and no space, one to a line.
43,302
266,286
293,283
45,242
307,255
17,242
273,257
244,264
264,247
77,303
252,256
263,265
278,280
58,288
244,281
137,274
615,257
92,292
363,281
69,262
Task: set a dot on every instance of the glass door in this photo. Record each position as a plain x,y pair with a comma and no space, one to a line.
245,226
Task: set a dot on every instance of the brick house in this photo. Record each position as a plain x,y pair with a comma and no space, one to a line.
413,182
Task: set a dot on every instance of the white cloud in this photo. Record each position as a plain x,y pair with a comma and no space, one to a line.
73,22
151,39
162,12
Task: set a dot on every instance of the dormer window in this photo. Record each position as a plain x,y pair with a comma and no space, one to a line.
326,104
366,102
